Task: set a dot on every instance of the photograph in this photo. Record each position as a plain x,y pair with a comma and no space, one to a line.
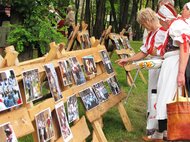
9,91
106,61
117,44
89,98
7,133
63,123
114,85
77,71
31,83
66,72
100,91
44,125
89,65
72,108
53,82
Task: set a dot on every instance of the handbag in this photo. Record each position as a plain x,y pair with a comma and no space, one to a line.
179,118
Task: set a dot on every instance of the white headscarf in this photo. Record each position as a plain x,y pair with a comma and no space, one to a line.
166,13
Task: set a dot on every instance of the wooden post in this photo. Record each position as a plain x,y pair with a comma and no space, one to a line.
98,131
124,117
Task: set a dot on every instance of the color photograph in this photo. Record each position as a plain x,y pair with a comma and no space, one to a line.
106,61
66,72
89,98
53,82
100,91
77,71
114,85
7,133
89,65
44,125
9,90
72,108
63,123
31,83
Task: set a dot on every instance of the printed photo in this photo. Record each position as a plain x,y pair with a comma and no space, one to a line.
114,85
100,91
89,98
53,81
72,108
89,65
117,44
63,123
106,61
77,71
66,72
123,56
9,90
7,133
126,43
31,83
44,125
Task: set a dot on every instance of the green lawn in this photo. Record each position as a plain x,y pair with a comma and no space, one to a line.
135,107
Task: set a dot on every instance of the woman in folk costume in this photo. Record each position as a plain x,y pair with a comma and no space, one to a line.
153,43
172,72
186,15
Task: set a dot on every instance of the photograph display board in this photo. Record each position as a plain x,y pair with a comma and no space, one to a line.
9,90
31,83
100,91
53,81
7,133
72,108
89,65
63,123
44,125
114,85
77,71
66,72
106,61
89,98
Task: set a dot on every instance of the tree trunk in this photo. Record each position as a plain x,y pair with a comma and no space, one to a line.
146,5
87,15
153,4
77,2
123,18
114,15
100,15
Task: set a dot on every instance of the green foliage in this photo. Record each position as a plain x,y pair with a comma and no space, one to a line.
38,27
19,37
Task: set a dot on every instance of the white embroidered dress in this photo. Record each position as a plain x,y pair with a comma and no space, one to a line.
167,82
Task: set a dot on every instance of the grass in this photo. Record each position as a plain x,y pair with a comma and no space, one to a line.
135,107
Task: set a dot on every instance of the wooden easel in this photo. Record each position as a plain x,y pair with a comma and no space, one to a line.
127,50
24,117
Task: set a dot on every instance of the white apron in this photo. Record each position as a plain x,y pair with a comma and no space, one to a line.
167,83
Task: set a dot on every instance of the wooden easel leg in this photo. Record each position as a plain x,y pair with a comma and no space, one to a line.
98,131
35,134
124,117
94,137
142,77
130,79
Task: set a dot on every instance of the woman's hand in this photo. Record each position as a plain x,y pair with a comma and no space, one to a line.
121,62
180,79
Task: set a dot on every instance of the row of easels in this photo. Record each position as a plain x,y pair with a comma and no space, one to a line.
23,119
125,51
83,40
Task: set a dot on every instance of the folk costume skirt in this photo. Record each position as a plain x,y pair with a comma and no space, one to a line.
167,83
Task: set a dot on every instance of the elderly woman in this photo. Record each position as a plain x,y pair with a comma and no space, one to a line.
153,43
186,16
172,72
